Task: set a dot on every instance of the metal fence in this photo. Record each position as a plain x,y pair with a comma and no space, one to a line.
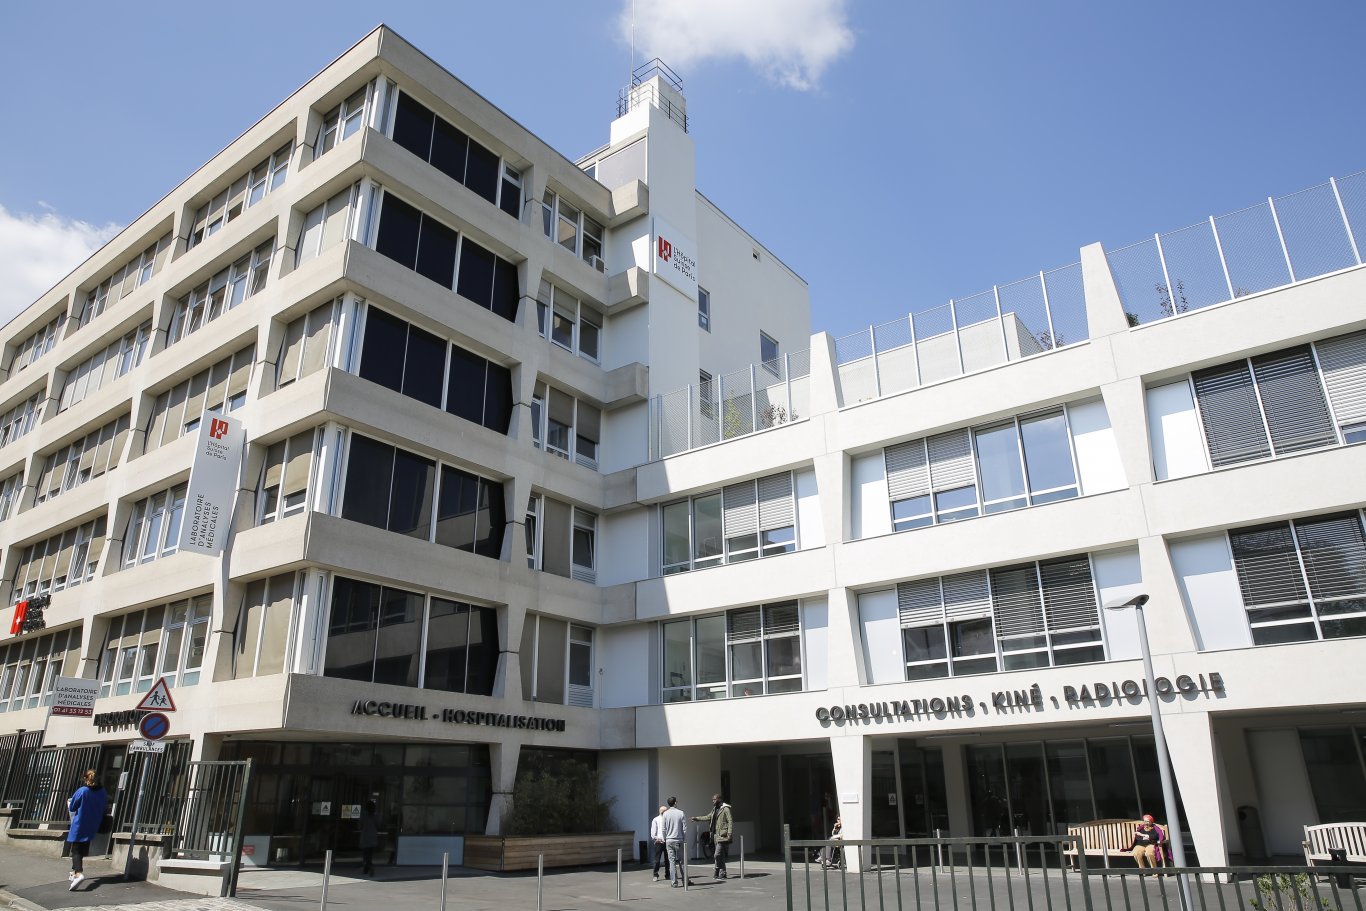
163,799
1274,243
15,753
1042,873
211,797
730,406
1004,323
53,774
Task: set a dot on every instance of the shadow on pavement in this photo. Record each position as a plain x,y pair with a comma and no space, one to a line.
97,889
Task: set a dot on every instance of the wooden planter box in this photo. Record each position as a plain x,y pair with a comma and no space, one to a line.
503,854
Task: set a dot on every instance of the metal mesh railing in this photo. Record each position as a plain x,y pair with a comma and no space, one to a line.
732,405
1274,243
1004,323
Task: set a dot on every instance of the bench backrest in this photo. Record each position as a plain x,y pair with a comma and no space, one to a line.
1107,834
1350,836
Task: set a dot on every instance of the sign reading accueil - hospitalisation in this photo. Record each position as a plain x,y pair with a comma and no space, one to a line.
675,258
213,485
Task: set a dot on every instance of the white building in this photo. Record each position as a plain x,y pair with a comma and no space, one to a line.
488,525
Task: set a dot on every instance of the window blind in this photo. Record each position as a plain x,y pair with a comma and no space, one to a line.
1015,601
1343,360
781,618
1069,599
919,602
740,509
1230,415
1292,399
1334,554
742,624
1268,570
908,470
966,596
950,457
776,509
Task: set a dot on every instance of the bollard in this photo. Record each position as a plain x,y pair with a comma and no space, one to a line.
445,873
618,874
685,870
939,849
327,874
540,879
742,857
1019,862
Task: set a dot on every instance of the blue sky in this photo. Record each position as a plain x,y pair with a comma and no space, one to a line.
893,154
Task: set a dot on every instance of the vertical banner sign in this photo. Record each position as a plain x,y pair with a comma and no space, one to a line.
675,258
213,485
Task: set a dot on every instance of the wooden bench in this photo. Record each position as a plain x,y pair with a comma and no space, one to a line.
1107,838
1346,836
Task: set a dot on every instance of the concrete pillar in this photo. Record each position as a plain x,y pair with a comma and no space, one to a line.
1104,309
507,680
825,391
502,777
956,792
833,487
1169,627
843,640
853,759
1197,769
1126,405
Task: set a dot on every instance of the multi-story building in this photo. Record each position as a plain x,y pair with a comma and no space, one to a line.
629,510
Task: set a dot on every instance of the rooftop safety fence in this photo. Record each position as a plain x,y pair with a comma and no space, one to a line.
1004,323
732,405
1275,243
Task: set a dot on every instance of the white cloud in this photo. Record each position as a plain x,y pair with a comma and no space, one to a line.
790,42
37,251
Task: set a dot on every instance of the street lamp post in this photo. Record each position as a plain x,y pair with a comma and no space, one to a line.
1160,742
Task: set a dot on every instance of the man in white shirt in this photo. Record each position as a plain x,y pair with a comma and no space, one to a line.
661,849
675,826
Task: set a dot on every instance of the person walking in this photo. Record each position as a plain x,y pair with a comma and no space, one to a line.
675,826
721,828
369,838
660,848
87,807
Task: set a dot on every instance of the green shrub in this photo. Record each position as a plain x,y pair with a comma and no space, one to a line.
1287,892
563,800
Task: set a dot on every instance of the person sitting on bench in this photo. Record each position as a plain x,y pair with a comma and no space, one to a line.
829,856
1147,844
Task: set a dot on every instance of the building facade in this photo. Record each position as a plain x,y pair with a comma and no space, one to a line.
542,462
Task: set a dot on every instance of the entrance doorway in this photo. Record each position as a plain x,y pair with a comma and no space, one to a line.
809,804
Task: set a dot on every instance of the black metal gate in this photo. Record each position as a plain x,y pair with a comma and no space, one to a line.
52,775
15,751
161,797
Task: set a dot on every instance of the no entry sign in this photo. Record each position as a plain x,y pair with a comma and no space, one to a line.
154,726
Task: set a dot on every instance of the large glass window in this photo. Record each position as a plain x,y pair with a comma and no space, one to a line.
263,627
103,367
562,539
749,651
305,346
163,641
64,560
327,225
135,273
78,462
573,229
221,293
450,150
557,661
283,489
154,528
29,668
566,426
568,321
220,389
742,522
22,418
343,121
37,344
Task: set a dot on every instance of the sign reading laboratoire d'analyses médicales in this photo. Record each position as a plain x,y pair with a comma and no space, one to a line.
675,258
213,485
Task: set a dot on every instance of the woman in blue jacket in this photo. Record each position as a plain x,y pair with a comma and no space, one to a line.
87,810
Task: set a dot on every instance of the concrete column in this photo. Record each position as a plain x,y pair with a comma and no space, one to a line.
1104,309
833,488
502,777
956,792
529,276
507,680
845,646
1126,405
853,760
825,391
1197,769
1169,626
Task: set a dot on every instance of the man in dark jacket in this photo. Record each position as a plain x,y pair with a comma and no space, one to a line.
87,810
721,829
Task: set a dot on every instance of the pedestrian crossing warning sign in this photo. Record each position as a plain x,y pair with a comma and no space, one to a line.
158,699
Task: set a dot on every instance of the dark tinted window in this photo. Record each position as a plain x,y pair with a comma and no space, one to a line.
369,473
436,252
399,648
399,224
410,507
456,514
505,291
488,526
447,642
383,353
498,398
351,630
511,198
481,172
476,273
465,385
422,371
448,150
483,655
413,126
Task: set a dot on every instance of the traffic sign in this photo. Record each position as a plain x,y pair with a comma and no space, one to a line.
158,699
154,726
147,746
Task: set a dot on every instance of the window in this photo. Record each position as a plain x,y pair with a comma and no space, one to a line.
743,521
163,641
704,313
571,228
1011,618
10,489
561,539
20,419
37,344
565,426
343,121
706,395
244,192
752,651
104,366
557,661
327,225
78,462
375,634
448,149
154,528
305,346
768,352
1343,362
219,390
134,274
412,361
29,668
64,560
422,243
1303,580
228,288
403,492
568,322
263,627
283,489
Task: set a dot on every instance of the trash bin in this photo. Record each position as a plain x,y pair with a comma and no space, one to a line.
1337,857
644,852
1250,831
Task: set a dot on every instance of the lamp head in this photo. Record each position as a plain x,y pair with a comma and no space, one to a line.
1135,601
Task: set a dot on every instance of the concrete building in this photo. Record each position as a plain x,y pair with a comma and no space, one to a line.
604,496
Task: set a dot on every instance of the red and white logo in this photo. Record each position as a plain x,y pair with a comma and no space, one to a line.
218,428
666,250
17,624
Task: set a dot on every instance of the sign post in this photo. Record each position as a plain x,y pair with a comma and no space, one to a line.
157,701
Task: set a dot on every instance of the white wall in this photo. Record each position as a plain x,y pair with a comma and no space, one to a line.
626,776
1285,800
692,774
1209,585
815,641
625,437
880,628
1097,450
624,658
871,512
624,554
1118,577
1174,428
810,528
